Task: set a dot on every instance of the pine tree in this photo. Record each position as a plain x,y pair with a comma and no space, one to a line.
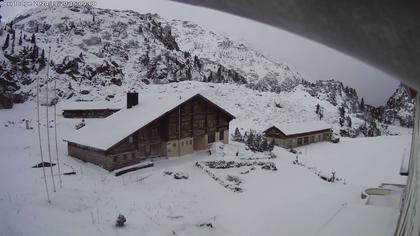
250,140
20,40
348,121
43,54
362,104
342,111
35,53
256,146
341,122
264,145
6,42
317,108
33,40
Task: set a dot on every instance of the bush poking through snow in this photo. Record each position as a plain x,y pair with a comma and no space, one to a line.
234,179
232,187
209,225
181,175
120,220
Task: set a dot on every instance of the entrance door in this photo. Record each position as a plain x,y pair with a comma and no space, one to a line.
211,137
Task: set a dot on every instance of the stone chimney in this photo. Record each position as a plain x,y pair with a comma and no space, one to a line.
132,99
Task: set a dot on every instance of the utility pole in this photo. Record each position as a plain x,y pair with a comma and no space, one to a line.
39,139
48,126
55,132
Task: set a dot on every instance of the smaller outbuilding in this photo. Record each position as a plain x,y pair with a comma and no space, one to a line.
290,135
96,109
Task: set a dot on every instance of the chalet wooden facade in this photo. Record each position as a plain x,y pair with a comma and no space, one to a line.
94,109
88,113
298,134
189,125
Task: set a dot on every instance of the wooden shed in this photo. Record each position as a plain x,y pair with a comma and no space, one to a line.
160,125
290,135
90,109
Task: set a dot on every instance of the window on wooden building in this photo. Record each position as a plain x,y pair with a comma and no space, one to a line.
299,141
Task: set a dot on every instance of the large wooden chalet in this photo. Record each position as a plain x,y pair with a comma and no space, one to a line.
290,135
160,125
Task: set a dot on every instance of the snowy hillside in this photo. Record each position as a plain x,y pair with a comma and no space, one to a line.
99,54
238,56
399,109
98,50
292,200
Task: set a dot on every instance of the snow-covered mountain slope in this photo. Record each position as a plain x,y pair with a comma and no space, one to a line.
97,54
98,49
399,109
235,55
102,48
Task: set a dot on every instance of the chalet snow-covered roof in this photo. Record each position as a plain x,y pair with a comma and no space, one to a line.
103,134
304,127
92,105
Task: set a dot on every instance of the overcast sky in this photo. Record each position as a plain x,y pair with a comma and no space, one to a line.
314,61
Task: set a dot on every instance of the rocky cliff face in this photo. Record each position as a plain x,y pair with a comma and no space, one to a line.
399,109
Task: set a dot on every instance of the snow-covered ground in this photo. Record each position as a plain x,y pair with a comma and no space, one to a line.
290,201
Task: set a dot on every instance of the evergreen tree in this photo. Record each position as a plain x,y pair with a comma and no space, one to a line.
197,62
264,145
317,109
33,40
341,122
342,111
256,146
362,104
6,42
237,136
35,53
348,121
43,54
250,140
20,40
219,74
